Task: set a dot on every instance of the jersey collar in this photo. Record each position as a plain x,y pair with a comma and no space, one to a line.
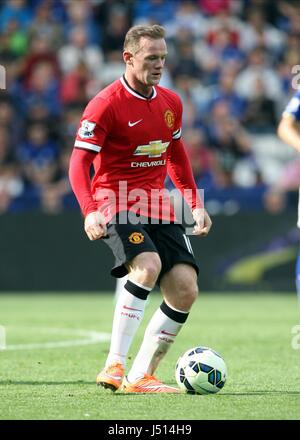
135,93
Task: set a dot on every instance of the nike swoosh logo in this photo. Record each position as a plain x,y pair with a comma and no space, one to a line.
130,308
167,333
131,124
113,377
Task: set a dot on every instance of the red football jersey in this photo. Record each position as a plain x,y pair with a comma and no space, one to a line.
133,138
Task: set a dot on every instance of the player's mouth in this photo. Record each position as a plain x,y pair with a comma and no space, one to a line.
156,75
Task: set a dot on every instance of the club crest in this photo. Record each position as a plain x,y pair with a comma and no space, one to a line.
136,238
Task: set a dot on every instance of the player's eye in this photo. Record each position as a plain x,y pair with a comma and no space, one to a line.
157,58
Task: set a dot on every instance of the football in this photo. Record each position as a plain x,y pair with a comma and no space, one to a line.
201,370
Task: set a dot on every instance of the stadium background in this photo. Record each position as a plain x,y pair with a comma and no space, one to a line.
230,61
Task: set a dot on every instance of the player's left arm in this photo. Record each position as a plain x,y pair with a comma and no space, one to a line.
288,131
181,174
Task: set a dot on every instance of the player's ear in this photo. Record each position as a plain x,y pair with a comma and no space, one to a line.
127,57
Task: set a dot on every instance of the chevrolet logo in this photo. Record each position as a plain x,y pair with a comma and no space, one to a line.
153,149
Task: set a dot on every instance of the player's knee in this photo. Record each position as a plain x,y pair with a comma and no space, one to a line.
190,294
146,268
194,292
187,293
152,267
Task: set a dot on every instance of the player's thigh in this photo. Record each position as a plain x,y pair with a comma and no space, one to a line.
126,242
179,286
174,247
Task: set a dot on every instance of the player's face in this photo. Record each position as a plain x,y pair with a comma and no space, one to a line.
148,62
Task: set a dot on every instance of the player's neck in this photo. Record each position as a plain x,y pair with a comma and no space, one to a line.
138,87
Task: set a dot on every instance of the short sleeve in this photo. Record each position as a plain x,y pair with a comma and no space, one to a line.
293,107
94,126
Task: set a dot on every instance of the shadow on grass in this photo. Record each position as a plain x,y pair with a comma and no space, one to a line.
44,382
262,393
237,394
86,382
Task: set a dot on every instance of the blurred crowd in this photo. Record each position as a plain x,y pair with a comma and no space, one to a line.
233,62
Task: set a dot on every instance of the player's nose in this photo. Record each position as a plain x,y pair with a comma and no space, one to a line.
159,64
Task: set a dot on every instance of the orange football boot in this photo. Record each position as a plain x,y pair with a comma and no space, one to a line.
111,377
147,384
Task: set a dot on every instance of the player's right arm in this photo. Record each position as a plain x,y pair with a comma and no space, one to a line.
79,175
94,126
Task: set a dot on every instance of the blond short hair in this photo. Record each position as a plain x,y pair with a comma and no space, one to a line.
133,36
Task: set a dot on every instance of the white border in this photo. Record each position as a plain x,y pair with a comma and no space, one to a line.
87,146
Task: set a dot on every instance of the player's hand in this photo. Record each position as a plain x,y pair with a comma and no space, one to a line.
203,222
94,225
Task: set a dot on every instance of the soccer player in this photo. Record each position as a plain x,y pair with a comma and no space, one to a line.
131,133
288,131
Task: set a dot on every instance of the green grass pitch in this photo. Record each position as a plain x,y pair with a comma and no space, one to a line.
253,332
